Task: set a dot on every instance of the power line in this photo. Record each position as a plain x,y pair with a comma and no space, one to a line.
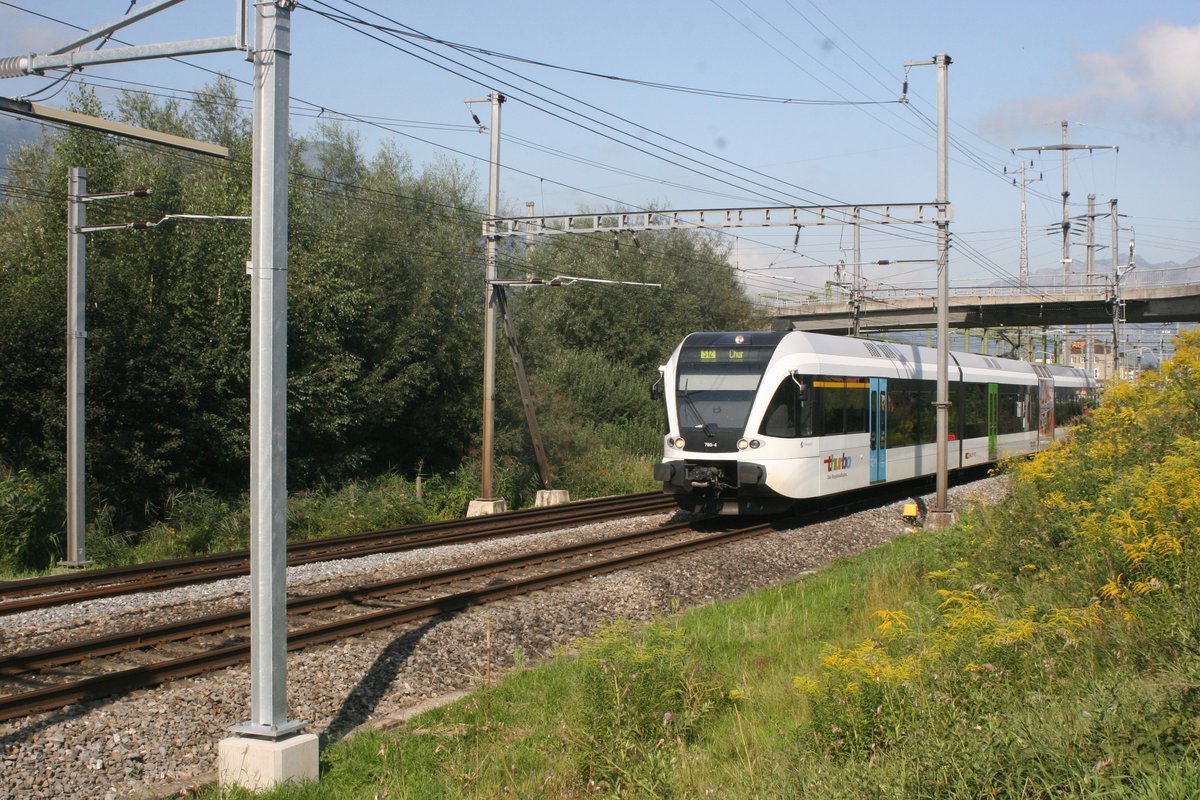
717,93
391,129
362,120
347,20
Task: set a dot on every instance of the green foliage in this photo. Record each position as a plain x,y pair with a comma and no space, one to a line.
31,520
194,522
385,283
643,697
610,459
633,325
593,349
377,353
387,502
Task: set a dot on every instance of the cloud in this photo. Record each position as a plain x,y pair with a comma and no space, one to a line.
1155,79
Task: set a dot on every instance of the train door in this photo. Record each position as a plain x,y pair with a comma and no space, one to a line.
1045,400
877,423
993,424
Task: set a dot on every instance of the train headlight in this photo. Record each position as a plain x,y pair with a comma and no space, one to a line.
678,442
752,444
743,444
755,444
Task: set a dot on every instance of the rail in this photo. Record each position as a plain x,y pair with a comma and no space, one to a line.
53,590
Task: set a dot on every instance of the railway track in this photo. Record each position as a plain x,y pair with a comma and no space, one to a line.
115,664
53,590
110,665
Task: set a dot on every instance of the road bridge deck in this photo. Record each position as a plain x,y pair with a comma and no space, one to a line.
995,307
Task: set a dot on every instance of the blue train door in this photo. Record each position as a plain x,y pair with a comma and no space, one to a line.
877,416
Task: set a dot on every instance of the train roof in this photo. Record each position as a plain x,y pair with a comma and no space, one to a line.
911,360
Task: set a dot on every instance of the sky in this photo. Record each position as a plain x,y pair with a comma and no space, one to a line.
1122,75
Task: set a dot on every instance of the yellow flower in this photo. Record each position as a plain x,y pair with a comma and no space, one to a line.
1114,589
892,623
1009,633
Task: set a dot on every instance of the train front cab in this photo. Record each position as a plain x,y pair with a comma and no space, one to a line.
711,385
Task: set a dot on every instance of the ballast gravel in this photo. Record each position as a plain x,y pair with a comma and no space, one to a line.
159,742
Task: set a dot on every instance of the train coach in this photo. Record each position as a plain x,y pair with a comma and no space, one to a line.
757,421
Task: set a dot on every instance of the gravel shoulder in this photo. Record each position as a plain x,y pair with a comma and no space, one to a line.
155,742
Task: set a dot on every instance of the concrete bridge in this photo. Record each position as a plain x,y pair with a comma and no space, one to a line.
995,307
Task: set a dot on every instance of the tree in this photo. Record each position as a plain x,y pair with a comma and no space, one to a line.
385,283
594,348
632,325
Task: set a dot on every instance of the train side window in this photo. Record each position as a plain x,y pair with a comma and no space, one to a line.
857,398
1068,404
903,413
1010,410
975,411
789,414
831,400
927,419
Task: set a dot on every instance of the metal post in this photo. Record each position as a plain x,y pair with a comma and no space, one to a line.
1023,255
268,388
856,283
1066,215
941,514
76,341
489,309
535,432
1116,292
1066,193
1090,263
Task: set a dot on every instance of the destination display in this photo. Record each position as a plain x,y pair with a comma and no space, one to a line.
726,355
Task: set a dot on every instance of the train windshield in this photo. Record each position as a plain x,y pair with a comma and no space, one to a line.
716,385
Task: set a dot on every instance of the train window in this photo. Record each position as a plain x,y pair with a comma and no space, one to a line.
1011,408
857,397
831,402
790,413
1068,404
974,410
904,413
927,427
842,404
953,420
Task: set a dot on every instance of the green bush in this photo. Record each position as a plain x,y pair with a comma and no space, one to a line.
32,520
387,502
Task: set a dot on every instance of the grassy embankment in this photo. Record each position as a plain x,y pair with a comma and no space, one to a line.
1047,647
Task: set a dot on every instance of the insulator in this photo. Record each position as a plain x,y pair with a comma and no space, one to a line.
14,66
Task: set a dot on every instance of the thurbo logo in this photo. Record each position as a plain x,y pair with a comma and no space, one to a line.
836,463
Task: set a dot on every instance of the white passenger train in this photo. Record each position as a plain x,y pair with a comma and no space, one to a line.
759,420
